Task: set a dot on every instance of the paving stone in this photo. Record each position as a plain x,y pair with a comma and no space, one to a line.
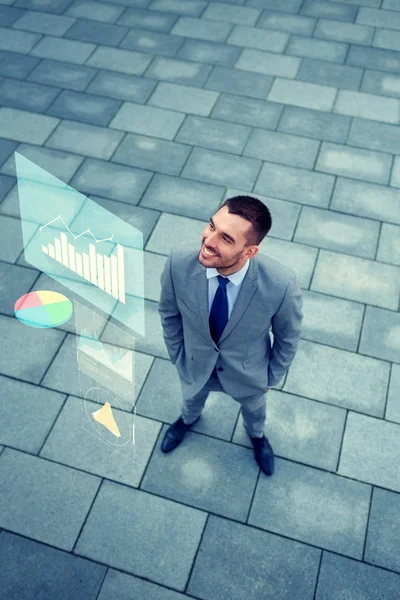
253,37
6,183
210,133
43,500
258,113
219,11
331,321
329,10
219,414
16,65
325,73
367,106
393,403
344,32
297,257
268,63
14,282
16,338
383,84
116,59
391,4
380,334
387,38
374,58
44,572
22,425
300,429
52,6
122,86
206,473
153,154
376,462
382,547
335,231
74,446
297,185
61,48
376,136
366,200
222,549
84,107
209,52
284,214
59,164
395,179
307,95
361,164
111,181
94,11
9,14
182,98
17,41
313,506
98,142
96,32
314,124
289,23
202,29
282,148
147,19
340,576
153,42
314,48
379,18
221,168
357,279
234,81
145,551
286,6
180,71
148,120
26,95
11,235
182,196
125,587
63,75
338,377
389,244
194,8
41,22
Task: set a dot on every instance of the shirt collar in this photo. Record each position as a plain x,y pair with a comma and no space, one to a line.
236,278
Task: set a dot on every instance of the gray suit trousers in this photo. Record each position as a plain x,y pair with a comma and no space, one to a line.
254,408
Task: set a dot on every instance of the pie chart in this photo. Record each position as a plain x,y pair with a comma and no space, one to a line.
43,309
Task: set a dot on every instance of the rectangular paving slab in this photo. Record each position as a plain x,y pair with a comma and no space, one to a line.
98,142
380,334
43,500
366,200
147,120
393,403
125,587
313,506
314,124
24,126
133,530
383,538
74,77
282,148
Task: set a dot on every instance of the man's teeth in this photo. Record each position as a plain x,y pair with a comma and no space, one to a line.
209,253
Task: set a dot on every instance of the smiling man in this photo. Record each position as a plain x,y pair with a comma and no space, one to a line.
217,306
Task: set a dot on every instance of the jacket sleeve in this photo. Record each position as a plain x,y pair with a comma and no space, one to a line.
286,327
171,318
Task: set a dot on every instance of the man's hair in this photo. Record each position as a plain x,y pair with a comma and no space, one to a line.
252,210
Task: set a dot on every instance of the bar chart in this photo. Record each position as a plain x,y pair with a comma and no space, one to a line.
105,272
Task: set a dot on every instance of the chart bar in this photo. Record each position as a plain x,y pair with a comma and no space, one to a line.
78,259
57,245
45,250
100,272
86,268
93,266
107,274
51,251
114,276
121,272
71,252
64,249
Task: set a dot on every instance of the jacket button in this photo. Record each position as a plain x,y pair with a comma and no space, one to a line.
220,369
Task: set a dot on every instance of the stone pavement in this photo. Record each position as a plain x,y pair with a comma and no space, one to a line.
159,110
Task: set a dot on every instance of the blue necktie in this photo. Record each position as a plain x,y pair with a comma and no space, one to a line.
219,310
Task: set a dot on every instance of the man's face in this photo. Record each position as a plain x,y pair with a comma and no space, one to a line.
225,237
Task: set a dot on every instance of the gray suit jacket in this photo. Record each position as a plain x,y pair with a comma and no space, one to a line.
269,297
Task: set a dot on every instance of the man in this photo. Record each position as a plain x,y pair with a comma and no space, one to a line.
217,306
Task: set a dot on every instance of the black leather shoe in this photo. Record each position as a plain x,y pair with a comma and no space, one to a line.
263,454
175,434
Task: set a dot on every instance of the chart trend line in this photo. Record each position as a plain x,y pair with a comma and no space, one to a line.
110,239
